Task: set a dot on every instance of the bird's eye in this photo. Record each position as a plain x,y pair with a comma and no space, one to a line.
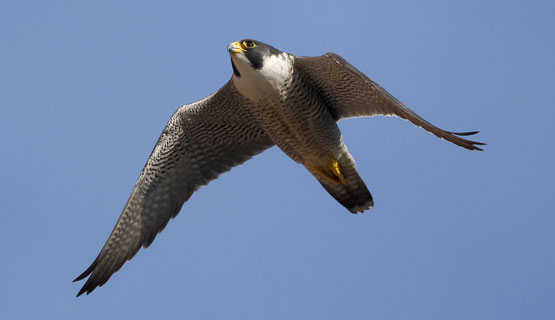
249,44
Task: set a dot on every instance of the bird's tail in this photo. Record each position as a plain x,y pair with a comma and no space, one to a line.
341,180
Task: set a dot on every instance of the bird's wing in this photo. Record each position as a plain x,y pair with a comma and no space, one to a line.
350,93
200,141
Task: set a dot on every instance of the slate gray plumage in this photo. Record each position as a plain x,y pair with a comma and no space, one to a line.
272,98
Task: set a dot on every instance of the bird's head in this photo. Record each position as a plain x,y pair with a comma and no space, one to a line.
258,67
249,53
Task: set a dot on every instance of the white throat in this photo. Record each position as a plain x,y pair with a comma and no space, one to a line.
263,83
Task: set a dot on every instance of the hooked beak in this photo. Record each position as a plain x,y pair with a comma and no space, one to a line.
235,47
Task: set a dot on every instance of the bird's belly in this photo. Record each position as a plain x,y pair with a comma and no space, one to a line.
302,127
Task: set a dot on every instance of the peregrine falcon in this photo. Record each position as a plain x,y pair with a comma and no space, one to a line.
272,98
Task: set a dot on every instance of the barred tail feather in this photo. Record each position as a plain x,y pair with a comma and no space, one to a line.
353,194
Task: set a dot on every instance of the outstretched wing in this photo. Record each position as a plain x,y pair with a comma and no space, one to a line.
350,93
200,141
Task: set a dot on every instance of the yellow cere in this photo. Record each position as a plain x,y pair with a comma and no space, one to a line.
237,47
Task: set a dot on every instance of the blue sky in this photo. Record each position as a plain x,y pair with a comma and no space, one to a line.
86,89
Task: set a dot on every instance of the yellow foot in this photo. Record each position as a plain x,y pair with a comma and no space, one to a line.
331,172
334,167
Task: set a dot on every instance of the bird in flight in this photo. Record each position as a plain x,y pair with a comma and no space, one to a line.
272,98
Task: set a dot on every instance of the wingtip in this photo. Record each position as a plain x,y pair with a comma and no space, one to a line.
89,270
86,288
475,144
469,133
81,292
468,144
80,277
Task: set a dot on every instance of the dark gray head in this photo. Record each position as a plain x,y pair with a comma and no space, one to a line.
259,70
252,51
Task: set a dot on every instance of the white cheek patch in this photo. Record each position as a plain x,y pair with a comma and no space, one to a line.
271,79
277,70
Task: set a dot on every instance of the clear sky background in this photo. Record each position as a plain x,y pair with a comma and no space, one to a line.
86,89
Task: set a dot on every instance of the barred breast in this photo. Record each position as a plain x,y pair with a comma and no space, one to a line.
299,123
